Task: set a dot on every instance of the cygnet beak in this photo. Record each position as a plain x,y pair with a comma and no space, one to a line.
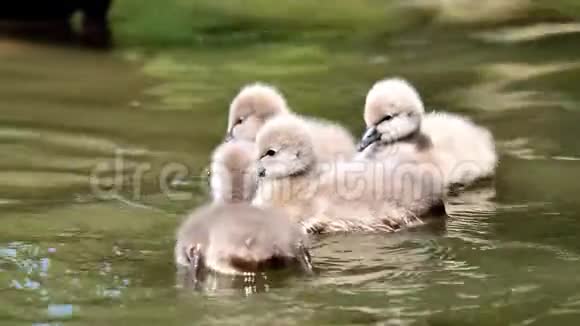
261,172
371,135
229,136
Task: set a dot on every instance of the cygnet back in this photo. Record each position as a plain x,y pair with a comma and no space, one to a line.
238,238
332,142
466,149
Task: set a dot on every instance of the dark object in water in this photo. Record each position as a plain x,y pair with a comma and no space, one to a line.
50,20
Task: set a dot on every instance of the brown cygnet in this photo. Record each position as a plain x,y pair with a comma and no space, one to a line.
231,236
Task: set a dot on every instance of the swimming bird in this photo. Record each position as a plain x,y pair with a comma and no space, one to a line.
233,176
258,102
229,235
342,196
398,126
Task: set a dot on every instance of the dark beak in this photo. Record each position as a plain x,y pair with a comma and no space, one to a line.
261,172
371,135
229,136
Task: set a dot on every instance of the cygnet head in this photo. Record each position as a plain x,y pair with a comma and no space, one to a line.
393,111
284,148
250,109
233,173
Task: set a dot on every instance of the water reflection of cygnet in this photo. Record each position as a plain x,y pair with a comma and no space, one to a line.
470,212
231,237
397,126
257,103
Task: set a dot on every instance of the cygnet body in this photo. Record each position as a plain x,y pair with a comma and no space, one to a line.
230,236
397,126
257,103
344,196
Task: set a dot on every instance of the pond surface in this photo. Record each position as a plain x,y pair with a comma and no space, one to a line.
75,254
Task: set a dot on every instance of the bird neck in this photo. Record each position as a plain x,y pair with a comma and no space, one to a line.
236,187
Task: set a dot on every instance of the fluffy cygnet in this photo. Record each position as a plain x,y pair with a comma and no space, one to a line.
343,196
397,126
229,235
257,103
233,173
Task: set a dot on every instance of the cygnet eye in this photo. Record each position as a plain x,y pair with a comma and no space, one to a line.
240,120
269,152
386,118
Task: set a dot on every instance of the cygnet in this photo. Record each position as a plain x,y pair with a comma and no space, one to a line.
342,196
230,236
397,126
257,103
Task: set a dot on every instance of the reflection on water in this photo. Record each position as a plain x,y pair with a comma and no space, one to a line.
509,254
531,33
494,91
217,285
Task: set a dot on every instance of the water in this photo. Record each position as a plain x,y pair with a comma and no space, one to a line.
509,254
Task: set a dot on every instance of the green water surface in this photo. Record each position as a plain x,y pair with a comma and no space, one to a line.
509,255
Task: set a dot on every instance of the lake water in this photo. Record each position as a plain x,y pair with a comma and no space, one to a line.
156,105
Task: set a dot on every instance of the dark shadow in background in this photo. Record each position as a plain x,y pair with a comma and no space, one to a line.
50,21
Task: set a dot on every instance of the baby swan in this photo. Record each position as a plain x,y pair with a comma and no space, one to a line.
344,196
397,126
257,103
230,236
232,172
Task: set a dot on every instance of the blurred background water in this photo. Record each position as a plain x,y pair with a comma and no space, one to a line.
509,255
